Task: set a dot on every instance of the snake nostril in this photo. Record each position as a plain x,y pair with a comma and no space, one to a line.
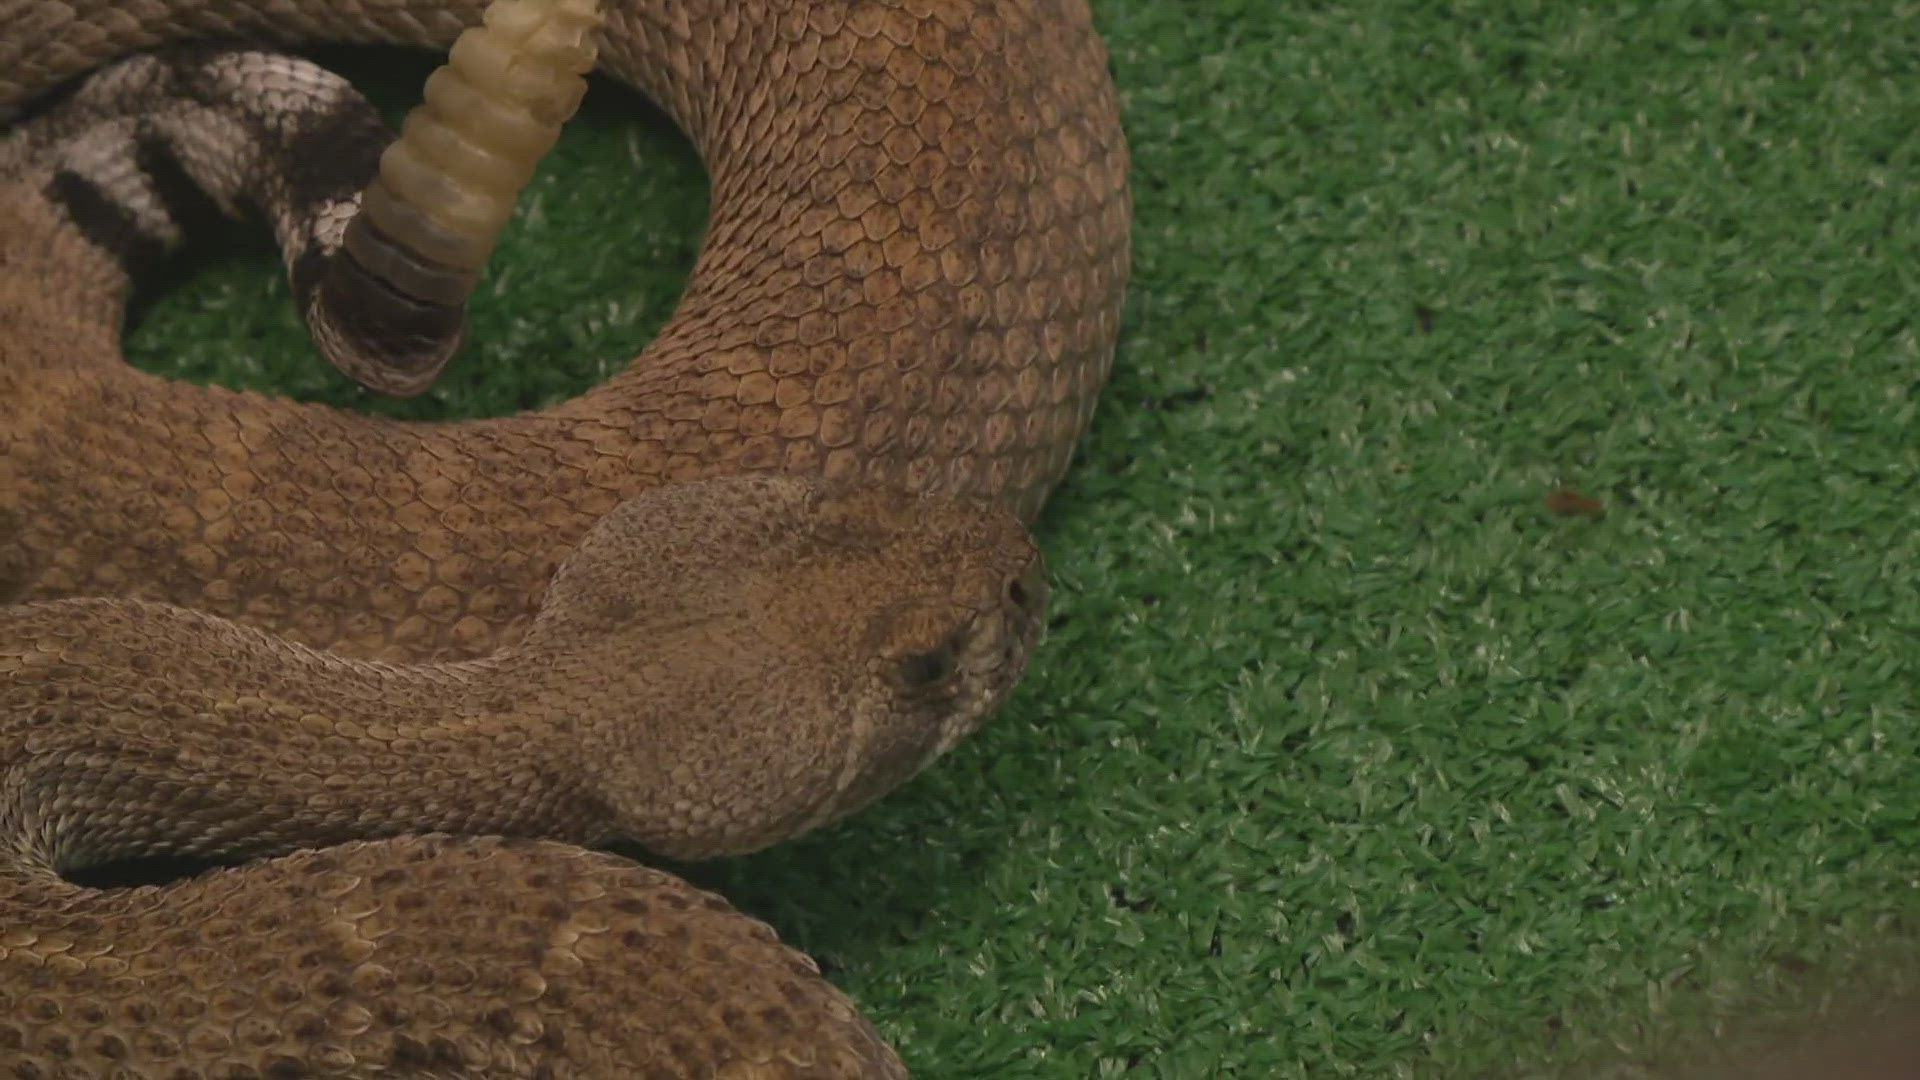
1028,592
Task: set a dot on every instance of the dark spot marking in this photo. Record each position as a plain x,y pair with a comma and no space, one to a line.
410,1053
618,609
501,1021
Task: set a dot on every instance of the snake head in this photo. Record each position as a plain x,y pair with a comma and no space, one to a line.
744,659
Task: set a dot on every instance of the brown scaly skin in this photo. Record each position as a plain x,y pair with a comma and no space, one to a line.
719,666
912,275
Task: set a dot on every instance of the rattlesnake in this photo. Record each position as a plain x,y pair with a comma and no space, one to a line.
911,275
910,280
720,665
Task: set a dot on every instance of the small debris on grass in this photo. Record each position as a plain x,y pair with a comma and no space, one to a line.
1571,502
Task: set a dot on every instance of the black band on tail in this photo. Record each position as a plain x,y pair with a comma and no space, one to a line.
106,223
413,338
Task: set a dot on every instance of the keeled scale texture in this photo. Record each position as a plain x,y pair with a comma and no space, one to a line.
292,973
912,274
719,666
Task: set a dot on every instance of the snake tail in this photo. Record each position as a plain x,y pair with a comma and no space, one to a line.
390,313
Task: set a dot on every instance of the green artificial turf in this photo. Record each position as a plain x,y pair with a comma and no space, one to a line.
1345,757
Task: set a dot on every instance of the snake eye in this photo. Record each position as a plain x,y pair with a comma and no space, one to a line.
926,670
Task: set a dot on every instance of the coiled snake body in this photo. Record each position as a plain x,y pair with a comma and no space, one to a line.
911,274
910,280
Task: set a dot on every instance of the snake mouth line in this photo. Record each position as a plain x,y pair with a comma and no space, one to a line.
986,676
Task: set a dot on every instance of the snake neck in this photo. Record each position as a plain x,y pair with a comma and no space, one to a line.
130,729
